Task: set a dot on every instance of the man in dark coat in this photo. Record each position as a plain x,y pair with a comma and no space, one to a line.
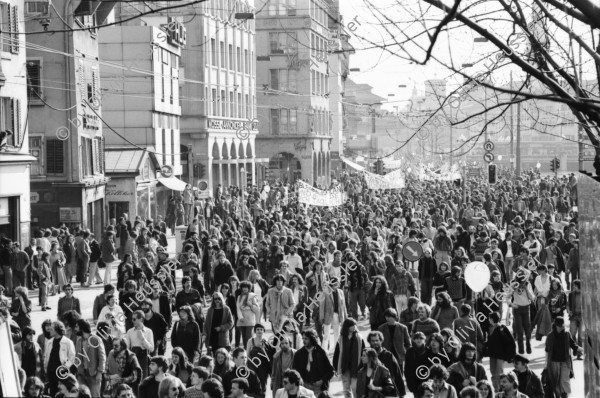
529,383
312,363
500,347
375,340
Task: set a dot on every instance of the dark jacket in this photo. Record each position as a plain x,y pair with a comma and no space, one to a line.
187,337
399,343
530,384
389,361
503,246
381,378
459,373
501,344
378,304
255,388
321,369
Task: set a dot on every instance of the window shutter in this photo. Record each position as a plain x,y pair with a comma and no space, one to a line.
82,83
18,134
54,157
15,30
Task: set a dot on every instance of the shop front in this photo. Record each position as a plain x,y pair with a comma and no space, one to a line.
133,186
15,197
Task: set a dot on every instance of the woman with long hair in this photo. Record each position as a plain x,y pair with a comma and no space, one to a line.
373,379
451,344
439,279
21,307
557,299
436,353
34,388
347,354
186,333
180,367
248,311
57,264
486,390
223,362
444,312
379,299
171,387
219,322
260,287
67,302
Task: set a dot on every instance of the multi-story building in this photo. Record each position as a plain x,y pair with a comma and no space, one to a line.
294,88
15,160
140,80
63,69
218,89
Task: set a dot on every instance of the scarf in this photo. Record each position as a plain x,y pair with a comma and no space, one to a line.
310,358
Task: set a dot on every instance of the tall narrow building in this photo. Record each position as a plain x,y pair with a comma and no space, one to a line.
64,115
15,160
293,89
217,77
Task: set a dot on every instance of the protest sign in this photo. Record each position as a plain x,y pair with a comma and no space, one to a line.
317,197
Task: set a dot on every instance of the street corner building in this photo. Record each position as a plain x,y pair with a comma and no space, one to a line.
68,183
15,158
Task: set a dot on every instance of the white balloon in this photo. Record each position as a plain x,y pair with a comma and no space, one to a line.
477,276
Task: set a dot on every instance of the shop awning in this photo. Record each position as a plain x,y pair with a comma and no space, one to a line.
173,183
352,164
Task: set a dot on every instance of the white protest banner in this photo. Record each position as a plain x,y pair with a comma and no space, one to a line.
316,197
393,180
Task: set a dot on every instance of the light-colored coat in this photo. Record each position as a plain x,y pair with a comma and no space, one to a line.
247,314
285,307
302,392
326,307
66,352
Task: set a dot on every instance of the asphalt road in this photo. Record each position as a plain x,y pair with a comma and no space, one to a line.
86,297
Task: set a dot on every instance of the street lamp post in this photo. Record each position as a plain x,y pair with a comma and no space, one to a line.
243,190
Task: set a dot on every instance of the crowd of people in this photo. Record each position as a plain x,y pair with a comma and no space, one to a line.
268,296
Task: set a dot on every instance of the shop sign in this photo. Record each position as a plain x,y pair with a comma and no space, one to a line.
120,190
226,124
34,197
70,214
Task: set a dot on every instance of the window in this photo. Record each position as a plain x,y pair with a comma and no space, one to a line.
282,7
164,146
240,106
247,102
162,82
275,121
87,157
35,150
214,102
231,66
36,8
246,62
223,103
173,147
239,60
283,121
9,20
55,156
213,50
232,105
283,43
34,78
10,119
223,54
283,79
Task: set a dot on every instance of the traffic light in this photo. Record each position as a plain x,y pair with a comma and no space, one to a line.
199,170
379,166
492,173
553,165
556,164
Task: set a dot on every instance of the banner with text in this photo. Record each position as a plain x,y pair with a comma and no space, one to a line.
393,180
317,197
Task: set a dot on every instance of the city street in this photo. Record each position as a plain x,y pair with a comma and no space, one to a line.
87,295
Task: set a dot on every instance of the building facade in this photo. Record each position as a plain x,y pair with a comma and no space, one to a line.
15,160
63,69
293,83
140,77
219,123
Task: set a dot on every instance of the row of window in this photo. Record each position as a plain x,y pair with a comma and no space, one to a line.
164,150
225,58
284,121
318,47
282,7
319,83
318,13
50,154
234,106
283,43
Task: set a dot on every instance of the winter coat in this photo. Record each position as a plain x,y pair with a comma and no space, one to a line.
501,344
